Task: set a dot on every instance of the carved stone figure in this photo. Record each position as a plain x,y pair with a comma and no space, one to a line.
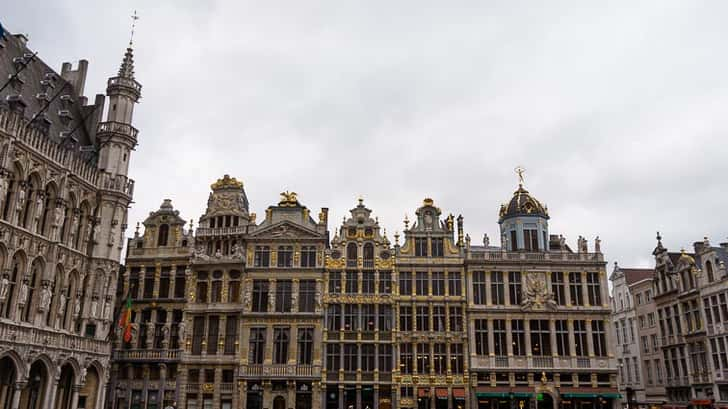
21,198
181,330
200,253
45,298
597,245
247,300
486,240
218,253
537,294
62,304
271,304
4,288
23,298
77,307
94,306
107,309
149,328
38,208
58,216
3,187
562,242
96,232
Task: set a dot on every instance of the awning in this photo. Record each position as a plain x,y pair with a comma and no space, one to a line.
422,393
579,395
701,402
441,393
611,395
458,393
492,394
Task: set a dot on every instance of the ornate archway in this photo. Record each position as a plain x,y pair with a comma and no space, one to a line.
64,391
33,396
8,377
90,390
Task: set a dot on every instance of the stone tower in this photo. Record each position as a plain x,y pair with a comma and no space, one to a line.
116,138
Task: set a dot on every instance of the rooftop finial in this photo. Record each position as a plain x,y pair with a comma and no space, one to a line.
134,19
520,171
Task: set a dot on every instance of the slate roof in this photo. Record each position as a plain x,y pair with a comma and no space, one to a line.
39,78
633,275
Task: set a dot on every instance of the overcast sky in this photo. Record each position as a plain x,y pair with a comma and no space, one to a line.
617,110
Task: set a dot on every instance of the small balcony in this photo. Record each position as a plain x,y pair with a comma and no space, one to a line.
280,371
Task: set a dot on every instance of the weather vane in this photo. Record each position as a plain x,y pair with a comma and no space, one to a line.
134,19
520,171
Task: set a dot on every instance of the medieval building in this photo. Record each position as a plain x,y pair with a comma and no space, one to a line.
64,194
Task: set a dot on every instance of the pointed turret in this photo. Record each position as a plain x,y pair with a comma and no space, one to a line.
127,64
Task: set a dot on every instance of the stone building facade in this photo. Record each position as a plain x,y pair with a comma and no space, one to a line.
538,316
64,195
626,333
430,323
359,319
145,370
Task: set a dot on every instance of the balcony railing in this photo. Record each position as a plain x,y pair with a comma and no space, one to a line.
543,362
220,231
47,338
283,370
146,354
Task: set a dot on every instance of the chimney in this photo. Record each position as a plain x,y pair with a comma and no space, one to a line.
76,77
698,246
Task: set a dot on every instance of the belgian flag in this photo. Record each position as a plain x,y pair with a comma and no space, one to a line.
125,320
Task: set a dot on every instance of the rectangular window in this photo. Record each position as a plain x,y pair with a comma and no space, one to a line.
385,358
423,318
335,283
280,345
438,283
385,318
519,337
368,317
213,329
405,358
367,282
164,284
540,337
599,339
530,239
437,247
405,318
421,283
557,287
285,256
497,292
148,284
308,256
260,295
438,318
423,358
351,317
385,282
563,348
421,247
456,319
216,291
479,288
405,283
367,357
481,337
305,346
306,296
580,343
333,317
283,295
440,358
333,357
499,337
198,334
234,291
455,285
351,282
593,288
514,287
201,287
231,334
577,297
262,256
179,283
456,358
645,344
350,353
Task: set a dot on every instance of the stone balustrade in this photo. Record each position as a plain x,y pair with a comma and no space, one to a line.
51,339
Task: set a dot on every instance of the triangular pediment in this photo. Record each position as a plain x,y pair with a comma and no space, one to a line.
286,230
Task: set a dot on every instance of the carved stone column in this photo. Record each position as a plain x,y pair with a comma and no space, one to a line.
17,389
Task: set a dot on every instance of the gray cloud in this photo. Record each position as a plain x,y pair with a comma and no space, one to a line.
616,109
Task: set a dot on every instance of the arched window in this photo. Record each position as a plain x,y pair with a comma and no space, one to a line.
709,270
368,255
351,251
16,271
163,235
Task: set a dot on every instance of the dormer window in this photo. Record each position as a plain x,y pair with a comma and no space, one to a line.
163,235
530,239
438,248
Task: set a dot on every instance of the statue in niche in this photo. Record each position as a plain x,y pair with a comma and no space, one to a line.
4,288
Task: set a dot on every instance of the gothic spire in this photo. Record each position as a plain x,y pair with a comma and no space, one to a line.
127,64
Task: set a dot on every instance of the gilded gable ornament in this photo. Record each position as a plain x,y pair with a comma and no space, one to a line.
288,199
